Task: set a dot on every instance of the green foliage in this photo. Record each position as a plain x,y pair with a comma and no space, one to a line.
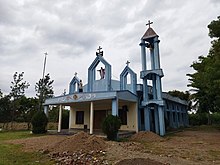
65,119
203,119
27,108
214,27
18,86
17,92
206,79
44,89
215,118
54,114
198,119
39,122
182,95
1,94
110,126
5,109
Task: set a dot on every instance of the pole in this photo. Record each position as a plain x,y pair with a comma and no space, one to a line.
42,91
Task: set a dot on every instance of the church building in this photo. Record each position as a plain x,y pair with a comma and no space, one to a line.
141,107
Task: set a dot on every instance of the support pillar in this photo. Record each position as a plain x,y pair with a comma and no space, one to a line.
143,55
176,118
115,107
60,119
171,118
46,107
156,120
161,121
147,119
139,119
70,117
91,118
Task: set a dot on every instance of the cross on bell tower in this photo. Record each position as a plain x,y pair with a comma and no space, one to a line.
148,24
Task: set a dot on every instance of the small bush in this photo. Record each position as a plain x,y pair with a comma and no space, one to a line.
198,119
110,126
39,122
215,118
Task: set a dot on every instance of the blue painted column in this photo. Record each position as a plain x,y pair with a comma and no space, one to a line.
139,119
171,118
60,119
46,107
147,119
161,120
115,107
156,119
156,53
143,55
187,119
159,90
91,118
181,118
176,117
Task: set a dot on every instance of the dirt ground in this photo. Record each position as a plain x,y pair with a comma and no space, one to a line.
192,146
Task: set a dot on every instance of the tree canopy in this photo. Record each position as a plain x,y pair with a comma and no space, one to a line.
44,89
205,82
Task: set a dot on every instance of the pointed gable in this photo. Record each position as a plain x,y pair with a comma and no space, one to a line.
92,72
123,79
73,84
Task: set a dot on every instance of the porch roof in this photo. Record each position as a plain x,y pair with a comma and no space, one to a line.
91,96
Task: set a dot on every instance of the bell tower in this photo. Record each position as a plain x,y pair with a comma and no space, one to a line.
152,97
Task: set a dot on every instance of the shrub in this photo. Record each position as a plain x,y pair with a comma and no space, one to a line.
215,118
110,126
198,119
39,122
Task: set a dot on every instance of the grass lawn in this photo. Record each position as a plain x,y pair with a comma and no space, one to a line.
11,154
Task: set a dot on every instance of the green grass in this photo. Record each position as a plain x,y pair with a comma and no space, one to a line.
11,154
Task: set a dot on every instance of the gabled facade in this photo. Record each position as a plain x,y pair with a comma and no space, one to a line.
141,107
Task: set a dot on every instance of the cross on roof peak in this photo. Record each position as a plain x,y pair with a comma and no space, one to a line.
99,51
75,73
149,23
46,53
128,62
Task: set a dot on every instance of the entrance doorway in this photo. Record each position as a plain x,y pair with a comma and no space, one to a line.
99,116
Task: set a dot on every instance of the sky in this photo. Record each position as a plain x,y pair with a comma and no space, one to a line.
71,31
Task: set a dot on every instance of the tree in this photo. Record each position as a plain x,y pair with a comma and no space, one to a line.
27,109
44,89
17,91
5,109
206,79
1,94
182,95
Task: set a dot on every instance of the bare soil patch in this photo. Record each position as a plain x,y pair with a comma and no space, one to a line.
138,161
146,136
186,147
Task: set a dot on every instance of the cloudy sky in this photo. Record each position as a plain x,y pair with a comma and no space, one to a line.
71,31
